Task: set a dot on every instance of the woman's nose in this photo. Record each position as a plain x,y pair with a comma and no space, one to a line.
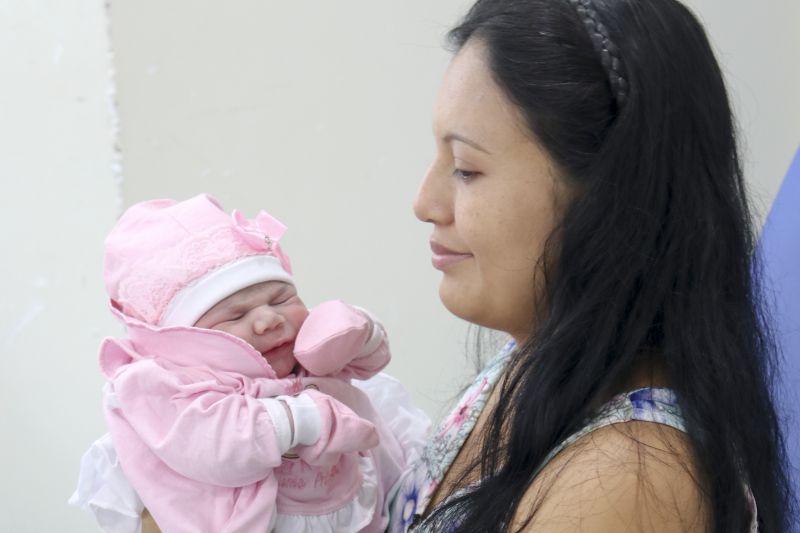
434,200
265,318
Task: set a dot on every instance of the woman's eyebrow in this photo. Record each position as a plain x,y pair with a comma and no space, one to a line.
450,137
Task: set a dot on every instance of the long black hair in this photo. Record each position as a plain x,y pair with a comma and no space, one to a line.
654,255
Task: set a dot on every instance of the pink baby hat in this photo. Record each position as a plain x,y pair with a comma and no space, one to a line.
168,262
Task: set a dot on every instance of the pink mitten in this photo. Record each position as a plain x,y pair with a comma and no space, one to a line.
342,431
333,335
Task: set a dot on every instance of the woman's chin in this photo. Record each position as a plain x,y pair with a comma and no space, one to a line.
454,298
474,306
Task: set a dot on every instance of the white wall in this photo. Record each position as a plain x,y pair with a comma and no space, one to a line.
758,45
59,197
318,111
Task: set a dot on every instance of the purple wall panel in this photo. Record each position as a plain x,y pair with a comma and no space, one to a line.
780,246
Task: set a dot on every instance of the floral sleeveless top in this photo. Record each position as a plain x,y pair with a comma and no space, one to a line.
416,487
412,494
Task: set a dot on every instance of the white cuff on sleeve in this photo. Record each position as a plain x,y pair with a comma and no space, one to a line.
376,333
280,421
307,420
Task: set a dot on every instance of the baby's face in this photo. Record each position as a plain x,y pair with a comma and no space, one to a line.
267,315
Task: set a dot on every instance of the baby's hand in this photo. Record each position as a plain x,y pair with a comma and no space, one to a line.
333,335
342,431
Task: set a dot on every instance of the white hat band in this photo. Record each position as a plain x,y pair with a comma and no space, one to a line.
194,300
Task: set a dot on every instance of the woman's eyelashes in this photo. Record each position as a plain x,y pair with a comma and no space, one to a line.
465,175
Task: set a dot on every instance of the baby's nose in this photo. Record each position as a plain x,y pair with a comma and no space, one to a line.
265,318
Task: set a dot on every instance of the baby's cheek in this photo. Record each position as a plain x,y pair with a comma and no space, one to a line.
283,364
298,315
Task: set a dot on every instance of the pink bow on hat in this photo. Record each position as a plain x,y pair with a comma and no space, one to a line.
261,233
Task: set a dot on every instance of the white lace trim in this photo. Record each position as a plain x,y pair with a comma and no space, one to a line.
353,516
408,423
104,492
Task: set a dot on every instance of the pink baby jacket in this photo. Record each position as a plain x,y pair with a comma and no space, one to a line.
194,440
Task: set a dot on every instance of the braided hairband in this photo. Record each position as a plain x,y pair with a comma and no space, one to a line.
608,51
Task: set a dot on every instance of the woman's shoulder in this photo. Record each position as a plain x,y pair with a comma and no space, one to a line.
632,475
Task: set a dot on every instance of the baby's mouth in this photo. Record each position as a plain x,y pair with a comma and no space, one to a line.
276,347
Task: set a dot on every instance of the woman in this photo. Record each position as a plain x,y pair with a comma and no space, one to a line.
587,199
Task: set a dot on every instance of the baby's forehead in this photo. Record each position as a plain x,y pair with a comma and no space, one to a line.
267,286
264,288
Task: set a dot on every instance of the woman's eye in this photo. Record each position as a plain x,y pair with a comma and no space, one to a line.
465,175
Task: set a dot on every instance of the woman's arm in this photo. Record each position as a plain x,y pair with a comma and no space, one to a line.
148,524
636,476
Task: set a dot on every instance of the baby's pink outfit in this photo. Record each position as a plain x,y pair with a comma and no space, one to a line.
200,448
192,413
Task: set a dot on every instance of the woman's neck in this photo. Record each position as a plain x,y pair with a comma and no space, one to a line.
649,371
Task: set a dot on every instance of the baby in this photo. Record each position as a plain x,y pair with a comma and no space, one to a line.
229,404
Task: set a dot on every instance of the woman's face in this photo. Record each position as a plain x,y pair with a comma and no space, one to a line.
491,196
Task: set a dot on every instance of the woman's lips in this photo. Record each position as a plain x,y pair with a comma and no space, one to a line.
444,257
